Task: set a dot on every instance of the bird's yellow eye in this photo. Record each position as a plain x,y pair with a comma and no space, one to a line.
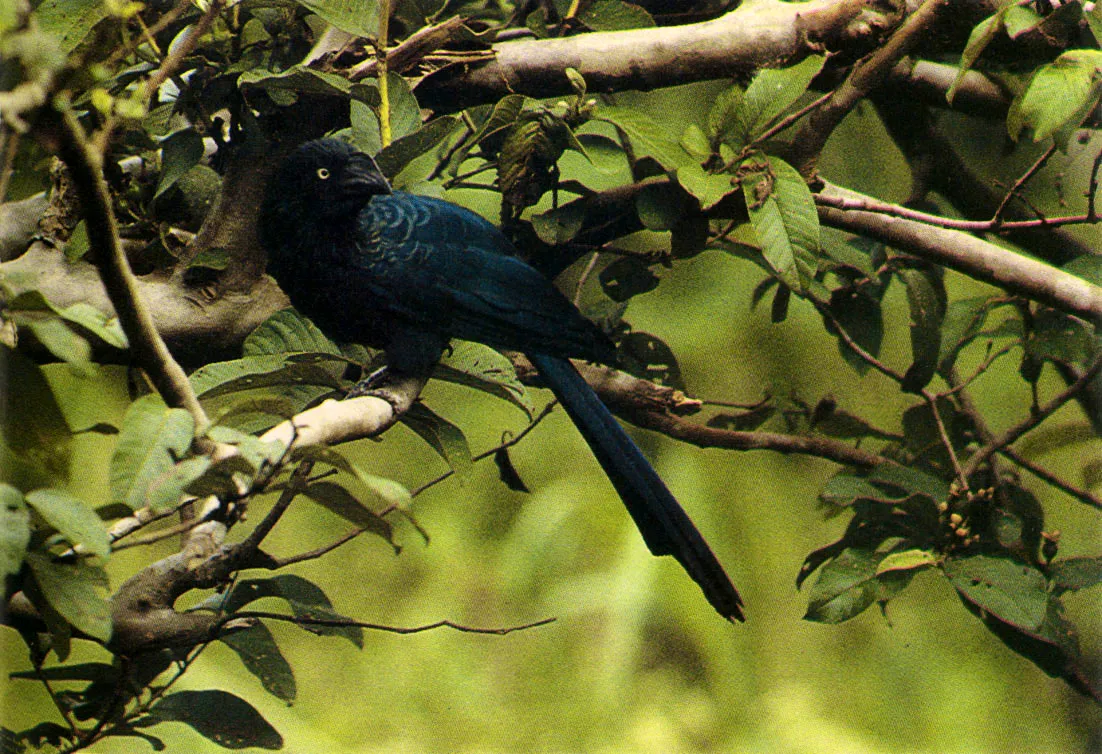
323,173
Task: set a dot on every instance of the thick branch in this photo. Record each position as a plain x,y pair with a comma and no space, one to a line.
145,341
757,34
966,253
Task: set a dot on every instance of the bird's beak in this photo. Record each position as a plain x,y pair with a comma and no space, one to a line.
362,177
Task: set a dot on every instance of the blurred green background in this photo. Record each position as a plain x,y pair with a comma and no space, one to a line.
636,660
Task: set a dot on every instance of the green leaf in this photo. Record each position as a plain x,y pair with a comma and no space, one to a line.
445,438
1073,574
287,331
1058,337
69,21
660,206
1019,19
399,153
358,17
859,313
962,322
708,188
560,225
982,35
153,437
253,372
721,120
73,519
78,244
180,152
219,716
926,299
906,560
483,368
785,220
340,501
911,480
76,592
15,530
34,451
305,599
849,583
1094,21
1013,592
405,121
615,15
627,277
297,78
211,259
165,491
648,136
104,326
260,655
1058,94
771,92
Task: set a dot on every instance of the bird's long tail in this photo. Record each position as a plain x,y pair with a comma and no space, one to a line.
665,526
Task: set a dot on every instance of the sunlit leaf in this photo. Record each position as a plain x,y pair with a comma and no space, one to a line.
15,530
1058,94
849,583
483,368
76,592
906,560
785,220
770,93
73,519
1013,592
152,439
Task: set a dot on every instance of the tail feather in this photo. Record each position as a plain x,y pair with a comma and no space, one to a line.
665,526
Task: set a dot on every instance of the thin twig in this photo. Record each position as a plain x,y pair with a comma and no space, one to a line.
505,444
149,349
295,485
1083,496
1018,184
1038,415
972,226
181,528
275,563
983,367
1092,189
349,622
946,441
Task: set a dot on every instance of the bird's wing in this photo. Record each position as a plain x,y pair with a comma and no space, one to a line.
444,268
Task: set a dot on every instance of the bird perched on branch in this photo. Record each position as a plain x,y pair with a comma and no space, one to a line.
407,273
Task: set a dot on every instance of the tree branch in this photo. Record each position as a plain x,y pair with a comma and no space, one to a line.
965,253
757,34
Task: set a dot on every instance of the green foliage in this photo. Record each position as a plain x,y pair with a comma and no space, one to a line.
625,192
218,716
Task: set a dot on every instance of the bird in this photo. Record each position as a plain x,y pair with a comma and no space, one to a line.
408,273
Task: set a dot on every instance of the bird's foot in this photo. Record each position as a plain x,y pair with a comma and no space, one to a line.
384,385
369,384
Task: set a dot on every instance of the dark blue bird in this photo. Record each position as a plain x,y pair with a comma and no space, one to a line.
407,273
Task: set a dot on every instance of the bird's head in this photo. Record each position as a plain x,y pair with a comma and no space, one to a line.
327,177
